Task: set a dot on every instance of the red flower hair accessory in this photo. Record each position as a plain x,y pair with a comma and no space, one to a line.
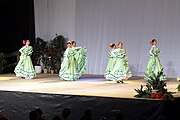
110,45
24,42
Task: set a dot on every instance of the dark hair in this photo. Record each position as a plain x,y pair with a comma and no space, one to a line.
113,45
120,42
73,42
69,42
152,41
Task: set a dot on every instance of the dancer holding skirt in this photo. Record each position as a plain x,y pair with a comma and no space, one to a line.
80,57
25,68
111,60
121,70
68,69
154,65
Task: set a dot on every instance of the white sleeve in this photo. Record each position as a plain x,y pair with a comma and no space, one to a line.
113,52
150,51
20,50
67,51
77,47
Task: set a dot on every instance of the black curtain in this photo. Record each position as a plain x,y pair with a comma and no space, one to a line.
16,24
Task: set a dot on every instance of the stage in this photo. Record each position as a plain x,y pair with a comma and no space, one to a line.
88,85
94,92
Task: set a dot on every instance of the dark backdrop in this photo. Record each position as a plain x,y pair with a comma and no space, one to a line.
16,24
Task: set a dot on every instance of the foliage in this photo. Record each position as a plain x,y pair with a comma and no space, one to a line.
154,81
154,84
38,50
55,50
178,87
2,62
46,62
49,52
142,93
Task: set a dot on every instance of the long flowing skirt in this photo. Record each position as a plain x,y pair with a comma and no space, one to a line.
25,68
68,70
154,66
81,61
121,70
110,66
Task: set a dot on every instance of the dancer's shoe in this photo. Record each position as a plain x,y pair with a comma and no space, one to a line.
119,81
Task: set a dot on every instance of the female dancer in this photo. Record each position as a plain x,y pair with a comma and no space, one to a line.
25,68
68,69
121,69
80,57
154,66
111,61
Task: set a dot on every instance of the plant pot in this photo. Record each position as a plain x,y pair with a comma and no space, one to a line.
45,71
154,91
38,69
56,71
52,71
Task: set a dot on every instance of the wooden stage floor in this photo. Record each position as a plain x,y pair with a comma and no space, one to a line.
87,85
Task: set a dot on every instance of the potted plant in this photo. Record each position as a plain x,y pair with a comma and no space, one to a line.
52,68
46,63
155,83
2,62
155,88
178,87
38,53
55,49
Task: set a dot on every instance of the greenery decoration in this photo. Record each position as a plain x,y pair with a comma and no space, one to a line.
154,88
178,87
2,62
38,50
55,50
49,53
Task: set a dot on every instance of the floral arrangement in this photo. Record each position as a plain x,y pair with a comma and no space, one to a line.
155,88
162,96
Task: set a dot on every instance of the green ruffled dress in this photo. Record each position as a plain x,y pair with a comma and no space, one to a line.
68,69
25,68
81,59
121,68
111,62
154,65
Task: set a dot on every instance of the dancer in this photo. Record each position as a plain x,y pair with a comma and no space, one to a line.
25,68
68,69
154,66
121,69
112,60
80,57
